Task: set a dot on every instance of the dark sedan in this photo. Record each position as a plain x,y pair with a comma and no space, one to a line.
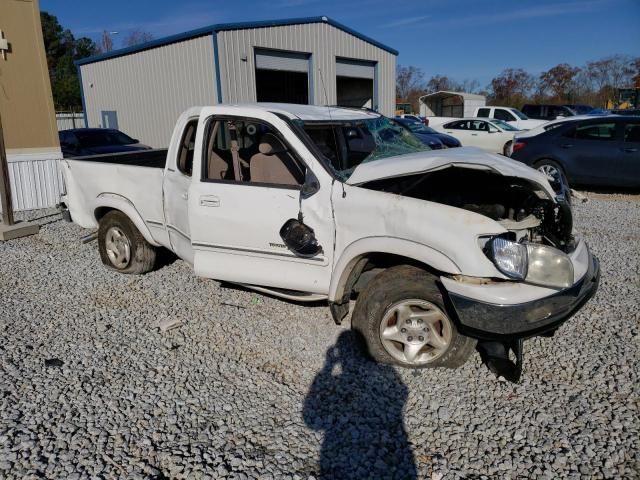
427,134
602,151
79,142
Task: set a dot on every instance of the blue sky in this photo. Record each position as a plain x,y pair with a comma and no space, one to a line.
459,38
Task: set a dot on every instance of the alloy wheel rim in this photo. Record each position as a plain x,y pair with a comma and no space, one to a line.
550,171
118,247
415,332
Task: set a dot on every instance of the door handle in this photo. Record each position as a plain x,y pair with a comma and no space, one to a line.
474,134
185,196
566,145
630,150
209,201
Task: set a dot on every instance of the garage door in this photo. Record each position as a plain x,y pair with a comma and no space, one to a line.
355,80
282,76
355,68
282,61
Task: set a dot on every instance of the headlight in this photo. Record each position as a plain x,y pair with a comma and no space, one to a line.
509,257
549,266
537,264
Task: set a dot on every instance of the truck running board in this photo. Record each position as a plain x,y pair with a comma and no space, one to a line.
294,295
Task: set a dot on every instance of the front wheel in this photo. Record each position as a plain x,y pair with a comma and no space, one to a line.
122,247
557,178
403,321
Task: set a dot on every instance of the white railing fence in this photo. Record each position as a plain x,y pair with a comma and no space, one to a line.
66,120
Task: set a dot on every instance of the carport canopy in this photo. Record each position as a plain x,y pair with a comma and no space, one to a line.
445,103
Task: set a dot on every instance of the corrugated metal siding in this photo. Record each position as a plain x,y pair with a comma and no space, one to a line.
35,183
150,89
322,40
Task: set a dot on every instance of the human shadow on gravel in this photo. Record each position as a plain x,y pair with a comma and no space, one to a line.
358,404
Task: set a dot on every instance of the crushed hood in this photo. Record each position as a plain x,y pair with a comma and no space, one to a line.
466,157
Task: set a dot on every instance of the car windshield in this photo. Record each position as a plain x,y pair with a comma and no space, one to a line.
347,144
103,138
519,114
504,125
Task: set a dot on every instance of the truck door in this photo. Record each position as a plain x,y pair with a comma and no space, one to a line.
250,186
177,180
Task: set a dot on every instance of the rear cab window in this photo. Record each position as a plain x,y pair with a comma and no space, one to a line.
484,112
184,161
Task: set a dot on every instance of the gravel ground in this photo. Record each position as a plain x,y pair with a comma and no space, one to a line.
254,387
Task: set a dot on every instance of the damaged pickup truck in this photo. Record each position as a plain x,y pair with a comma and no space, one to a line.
443,252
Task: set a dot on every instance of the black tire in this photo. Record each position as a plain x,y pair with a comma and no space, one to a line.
142,256
394,285
507,148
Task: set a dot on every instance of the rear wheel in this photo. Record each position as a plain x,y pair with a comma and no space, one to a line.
122,247
402,318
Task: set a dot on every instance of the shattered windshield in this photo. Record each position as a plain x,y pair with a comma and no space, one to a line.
347,144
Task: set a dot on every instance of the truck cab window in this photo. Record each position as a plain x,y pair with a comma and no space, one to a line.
483,112
501,114
185,150
250,151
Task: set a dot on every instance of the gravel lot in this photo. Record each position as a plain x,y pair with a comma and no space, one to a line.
255,387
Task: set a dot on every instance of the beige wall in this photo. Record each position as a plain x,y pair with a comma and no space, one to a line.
26,103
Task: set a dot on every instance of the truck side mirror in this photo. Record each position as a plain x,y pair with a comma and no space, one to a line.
300,239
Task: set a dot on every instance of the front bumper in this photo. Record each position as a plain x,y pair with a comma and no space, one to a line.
483,320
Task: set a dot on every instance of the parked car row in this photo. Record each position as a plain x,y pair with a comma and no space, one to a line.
429,136
602,151
581,149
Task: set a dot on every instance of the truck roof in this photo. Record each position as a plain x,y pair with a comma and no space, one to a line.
313,112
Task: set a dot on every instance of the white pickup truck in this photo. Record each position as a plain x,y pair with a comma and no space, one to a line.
513,116
442,251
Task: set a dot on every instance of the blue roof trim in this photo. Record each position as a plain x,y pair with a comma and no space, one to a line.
212,29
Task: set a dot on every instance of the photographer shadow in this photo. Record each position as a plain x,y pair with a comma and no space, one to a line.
358,404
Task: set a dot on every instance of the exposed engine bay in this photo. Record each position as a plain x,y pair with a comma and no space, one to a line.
520,206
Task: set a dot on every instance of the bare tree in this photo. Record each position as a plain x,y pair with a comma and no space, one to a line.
511,87
106,44
441,82
409,84
469,85
136,37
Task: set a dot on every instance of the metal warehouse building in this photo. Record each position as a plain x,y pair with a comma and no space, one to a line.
142,89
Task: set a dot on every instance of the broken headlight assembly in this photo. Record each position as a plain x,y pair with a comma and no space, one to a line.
530,262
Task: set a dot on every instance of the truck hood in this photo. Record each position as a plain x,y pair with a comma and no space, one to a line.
465,157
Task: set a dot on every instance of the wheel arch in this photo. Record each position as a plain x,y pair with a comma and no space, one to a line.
385,252
111,201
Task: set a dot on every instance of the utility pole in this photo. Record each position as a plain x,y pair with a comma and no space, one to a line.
9,229
5,185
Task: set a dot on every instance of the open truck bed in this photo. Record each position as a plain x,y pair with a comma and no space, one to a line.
129,181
